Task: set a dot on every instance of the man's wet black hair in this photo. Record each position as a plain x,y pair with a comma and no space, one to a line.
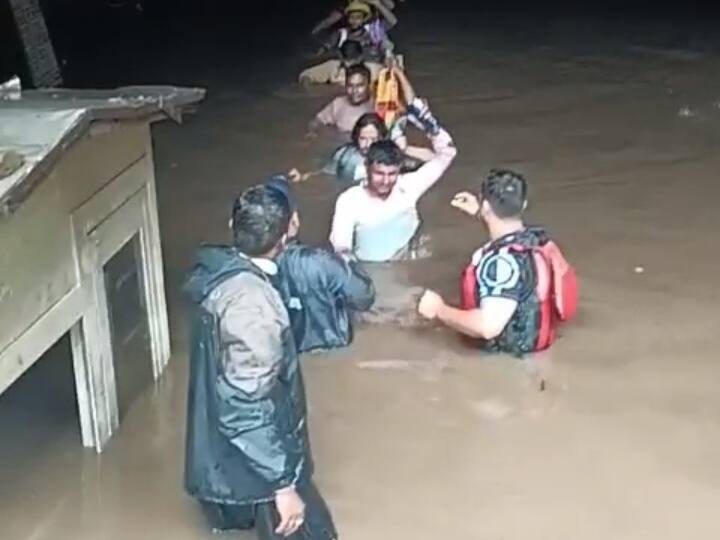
385,152
260,218
506,192
369,119
351,51
358,69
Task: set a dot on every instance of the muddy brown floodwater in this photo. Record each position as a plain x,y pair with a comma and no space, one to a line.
415,436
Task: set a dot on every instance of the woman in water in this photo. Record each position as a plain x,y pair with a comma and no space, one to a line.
347,163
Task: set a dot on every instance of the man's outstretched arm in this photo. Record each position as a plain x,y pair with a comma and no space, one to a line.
443,154
342,233
334,17
349,280
486,322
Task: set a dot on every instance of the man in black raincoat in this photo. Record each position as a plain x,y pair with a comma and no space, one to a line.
248,457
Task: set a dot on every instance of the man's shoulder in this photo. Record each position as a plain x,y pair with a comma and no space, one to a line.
311,267
303,256
345,149
339,101
502,257
352,194
245,287
367,106
500,271
300,250
334,104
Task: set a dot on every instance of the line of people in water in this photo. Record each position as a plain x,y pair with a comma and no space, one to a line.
266,298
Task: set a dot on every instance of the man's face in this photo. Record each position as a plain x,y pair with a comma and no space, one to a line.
357,89
382,178
355,19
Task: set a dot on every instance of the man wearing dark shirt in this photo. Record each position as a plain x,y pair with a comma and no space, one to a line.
508,302
321,290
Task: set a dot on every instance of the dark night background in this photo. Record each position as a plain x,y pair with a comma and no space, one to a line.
110,42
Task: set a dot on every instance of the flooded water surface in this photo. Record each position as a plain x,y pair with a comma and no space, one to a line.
417,436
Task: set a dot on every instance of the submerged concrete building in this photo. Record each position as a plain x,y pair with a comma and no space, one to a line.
77,186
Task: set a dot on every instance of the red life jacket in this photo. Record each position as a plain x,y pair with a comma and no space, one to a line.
555,295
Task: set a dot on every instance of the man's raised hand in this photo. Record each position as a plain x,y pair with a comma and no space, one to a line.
466,202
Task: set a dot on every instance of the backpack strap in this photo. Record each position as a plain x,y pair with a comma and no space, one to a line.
544,292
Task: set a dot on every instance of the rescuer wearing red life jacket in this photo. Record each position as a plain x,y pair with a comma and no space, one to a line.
518,286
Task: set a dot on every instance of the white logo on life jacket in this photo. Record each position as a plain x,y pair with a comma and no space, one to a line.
497,272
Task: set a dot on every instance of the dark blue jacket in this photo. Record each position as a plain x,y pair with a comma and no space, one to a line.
321,291
246,413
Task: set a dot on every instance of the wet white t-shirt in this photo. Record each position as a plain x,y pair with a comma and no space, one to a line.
376,229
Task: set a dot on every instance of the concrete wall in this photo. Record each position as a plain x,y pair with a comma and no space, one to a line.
38,259
53,254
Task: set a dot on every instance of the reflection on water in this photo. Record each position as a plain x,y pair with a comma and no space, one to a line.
39,435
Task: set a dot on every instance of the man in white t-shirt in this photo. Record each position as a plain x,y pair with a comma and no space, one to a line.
377,220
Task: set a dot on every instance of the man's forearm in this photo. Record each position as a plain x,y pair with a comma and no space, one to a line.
327,22
468,322
443,148
340,241
442,143
389,16
386,13
426,176
419,153
407,88
359,288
